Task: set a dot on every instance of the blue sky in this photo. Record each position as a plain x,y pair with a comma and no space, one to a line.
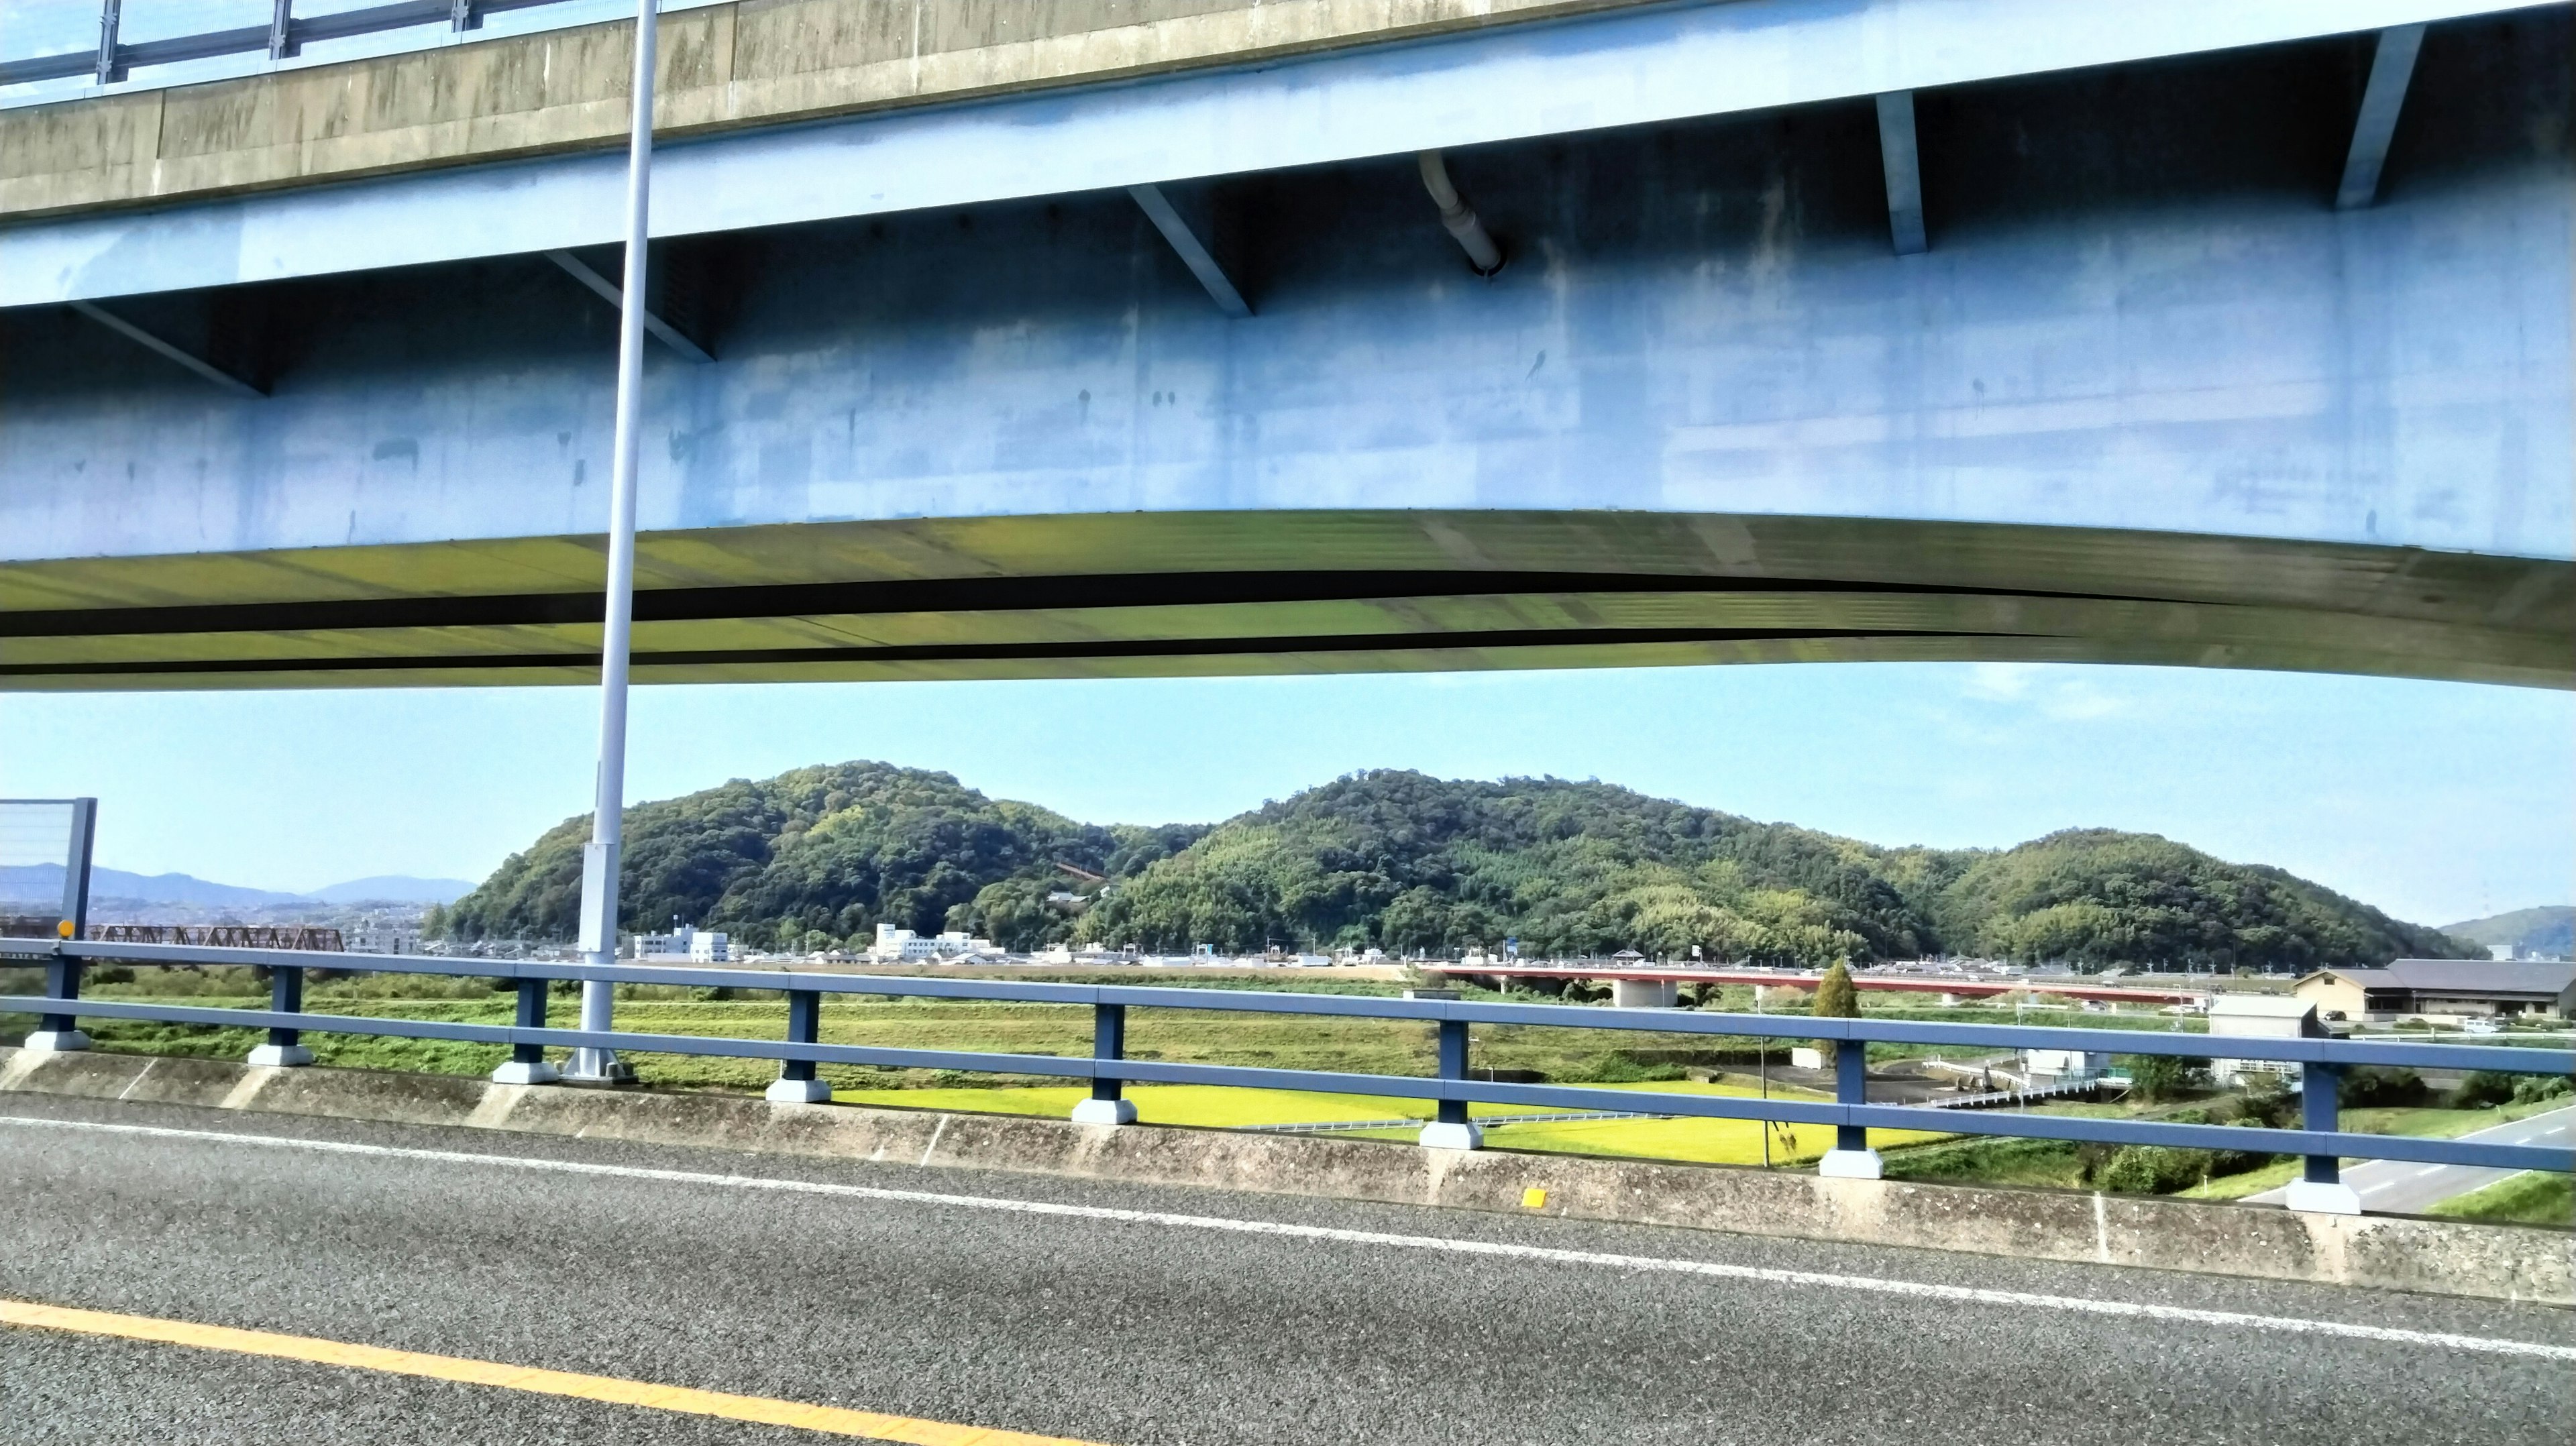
2435,801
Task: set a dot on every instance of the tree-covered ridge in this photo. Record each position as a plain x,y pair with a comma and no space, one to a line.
828,851
1405,862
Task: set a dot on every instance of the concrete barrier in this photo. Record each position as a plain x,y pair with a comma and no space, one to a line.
2499,1262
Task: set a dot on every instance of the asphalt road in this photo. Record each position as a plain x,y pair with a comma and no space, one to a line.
1031,1304
2402,1186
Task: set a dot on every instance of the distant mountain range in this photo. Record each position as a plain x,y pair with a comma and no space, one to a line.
1404,862
2550,930
42,884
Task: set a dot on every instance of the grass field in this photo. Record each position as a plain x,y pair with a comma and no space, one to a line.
2535,1197
1728,1142
2418,1123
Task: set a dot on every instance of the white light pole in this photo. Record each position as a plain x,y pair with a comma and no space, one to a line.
599,860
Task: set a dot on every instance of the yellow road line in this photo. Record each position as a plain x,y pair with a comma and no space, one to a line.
834,1420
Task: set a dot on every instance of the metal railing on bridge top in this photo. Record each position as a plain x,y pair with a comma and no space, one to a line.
2319,1140
282,38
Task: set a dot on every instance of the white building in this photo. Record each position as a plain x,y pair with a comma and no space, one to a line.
376,935
695,946
2259,1016
902,946
2049,1068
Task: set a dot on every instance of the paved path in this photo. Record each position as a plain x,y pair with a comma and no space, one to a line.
2401,1186
1121,1314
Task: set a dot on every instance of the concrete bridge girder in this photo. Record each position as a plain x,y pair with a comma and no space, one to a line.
1705,334
1276,592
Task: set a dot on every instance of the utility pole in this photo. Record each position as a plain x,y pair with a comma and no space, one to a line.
599,859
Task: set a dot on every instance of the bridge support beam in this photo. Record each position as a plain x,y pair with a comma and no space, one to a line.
1196,250
2320,1189
659,325
1851,1158
1896,153
161,346
56,1033
2391,66
796,1084
285,1048
1452,1130
1108,1104
527,1062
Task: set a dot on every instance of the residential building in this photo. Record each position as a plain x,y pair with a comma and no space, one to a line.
684,944
903,946
376,934
2444,989
2049,1068
2259,1016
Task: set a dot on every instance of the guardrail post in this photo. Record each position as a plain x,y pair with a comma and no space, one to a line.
2321,1189
527,1063
796,1084
1851,1158
1452,1130
1108,1104
57,1033
285,1048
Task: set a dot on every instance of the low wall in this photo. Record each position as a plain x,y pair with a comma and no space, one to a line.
722,66
2500,1262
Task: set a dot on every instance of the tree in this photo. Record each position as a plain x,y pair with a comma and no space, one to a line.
1836,998
2166,1076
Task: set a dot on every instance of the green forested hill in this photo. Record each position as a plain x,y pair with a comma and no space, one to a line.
828,850
1406,862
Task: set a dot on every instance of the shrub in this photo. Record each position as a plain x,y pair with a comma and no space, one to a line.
2267,1101
2237,1162
1620,1067
2534,1087
2166,1076
2154,1169
2374,1087
2483,1090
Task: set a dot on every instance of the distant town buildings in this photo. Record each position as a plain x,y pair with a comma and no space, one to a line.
903,946
376,934
2444,989
684,944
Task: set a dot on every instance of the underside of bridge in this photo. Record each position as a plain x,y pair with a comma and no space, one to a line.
2134,389
1154,593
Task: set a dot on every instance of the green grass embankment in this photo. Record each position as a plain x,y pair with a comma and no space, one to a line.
2535,1197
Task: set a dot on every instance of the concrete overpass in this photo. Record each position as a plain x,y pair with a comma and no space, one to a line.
1124,339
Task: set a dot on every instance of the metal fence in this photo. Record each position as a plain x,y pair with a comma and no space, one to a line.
2319,1140
283,37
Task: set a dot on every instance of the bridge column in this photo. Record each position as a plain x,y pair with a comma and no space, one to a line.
2321,1189
1851,1158
1451,1129
527,1064
796,1084
285,1048
1108,1104
57,1033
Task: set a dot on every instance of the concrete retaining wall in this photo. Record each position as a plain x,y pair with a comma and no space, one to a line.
2385,1252
721,66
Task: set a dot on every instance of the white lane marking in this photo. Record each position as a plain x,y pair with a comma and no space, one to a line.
1875,1285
